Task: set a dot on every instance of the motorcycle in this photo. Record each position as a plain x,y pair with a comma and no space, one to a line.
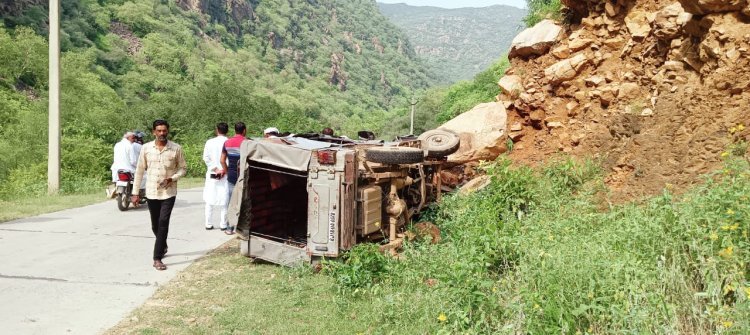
124,189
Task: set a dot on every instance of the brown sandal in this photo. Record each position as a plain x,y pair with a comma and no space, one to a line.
159,266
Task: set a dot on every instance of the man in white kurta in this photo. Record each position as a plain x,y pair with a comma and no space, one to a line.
123,155
137,145
215,190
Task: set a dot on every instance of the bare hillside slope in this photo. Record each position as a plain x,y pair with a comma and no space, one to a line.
659,89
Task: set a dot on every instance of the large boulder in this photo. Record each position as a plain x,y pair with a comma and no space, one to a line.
482,131
702,7
535,40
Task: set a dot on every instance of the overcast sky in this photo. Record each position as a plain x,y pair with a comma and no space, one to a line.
459,3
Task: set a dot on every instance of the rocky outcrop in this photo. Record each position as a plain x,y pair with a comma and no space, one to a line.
633,81
338,77
134,43
231,13
482,131
535,40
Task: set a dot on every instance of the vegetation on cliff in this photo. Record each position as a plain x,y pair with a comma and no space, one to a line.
296,65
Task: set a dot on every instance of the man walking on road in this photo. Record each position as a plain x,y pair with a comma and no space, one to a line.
164,161
215,191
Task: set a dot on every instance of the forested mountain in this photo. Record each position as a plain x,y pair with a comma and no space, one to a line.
457,43
298,65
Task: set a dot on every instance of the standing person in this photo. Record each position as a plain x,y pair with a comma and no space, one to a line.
327,131
123,158
215,189
137,145
230,158
164,161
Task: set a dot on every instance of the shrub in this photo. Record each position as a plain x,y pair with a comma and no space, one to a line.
464,95
362,267
25,181
542,9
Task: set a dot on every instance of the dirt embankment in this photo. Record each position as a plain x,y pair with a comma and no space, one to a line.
652,87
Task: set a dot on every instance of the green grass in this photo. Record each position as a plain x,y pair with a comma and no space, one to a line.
30,206
542,252
542,9
25,207
223,293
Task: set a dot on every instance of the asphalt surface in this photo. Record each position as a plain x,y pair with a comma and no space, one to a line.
81,271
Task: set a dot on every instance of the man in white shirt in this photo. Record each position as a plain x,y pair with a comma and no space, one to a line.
137,145
123,155
215,189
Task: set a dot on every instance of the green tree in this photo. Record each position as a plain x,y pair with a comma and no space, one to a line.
23,58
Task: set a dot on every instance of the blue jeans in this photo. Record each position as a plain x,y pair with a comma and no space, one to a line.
230,189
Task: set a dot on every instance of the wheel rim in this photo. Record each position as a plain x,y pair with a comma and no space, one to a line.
438,141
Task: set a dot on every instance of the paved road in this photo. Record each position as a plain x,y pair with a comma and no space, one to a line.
80,271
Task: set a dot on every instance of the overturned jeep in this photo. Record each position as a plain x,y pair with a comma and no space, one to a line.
305,198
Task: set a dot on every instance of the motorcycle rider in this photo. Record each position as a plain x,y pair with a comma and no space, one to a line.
123,158
137,145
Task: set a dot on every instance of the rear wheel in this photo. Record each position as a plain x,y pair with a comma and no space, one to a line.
439,142
123,202
395,155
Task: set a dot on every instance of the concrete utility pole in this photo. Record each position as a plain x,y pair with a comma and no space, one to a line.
411,123
53,160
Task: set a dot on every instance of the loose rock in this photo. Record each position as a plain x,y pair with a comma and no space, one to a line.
535,40
511,85
566,69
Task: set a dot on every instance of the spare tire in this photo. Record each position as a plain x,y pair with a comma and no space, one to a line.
394,155
439,142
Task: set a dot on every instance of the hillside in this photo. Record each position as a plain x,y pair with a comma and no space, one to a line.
658,90
457,43
297,65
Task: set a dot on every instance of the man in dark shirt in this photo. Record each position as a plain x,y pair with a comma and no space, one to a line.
230,155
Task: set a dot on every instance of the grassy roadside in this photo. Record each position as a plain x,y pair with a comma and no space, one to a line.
25,207
223,293
535,253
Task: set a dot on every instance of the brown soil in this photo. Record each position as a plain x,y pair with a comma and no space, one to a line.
693,107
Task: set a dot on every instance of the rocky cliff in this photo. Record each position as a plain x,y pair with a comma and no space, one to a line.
657,89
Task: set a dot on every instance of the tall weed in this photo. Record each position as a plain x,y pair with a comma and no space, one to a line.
532,253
